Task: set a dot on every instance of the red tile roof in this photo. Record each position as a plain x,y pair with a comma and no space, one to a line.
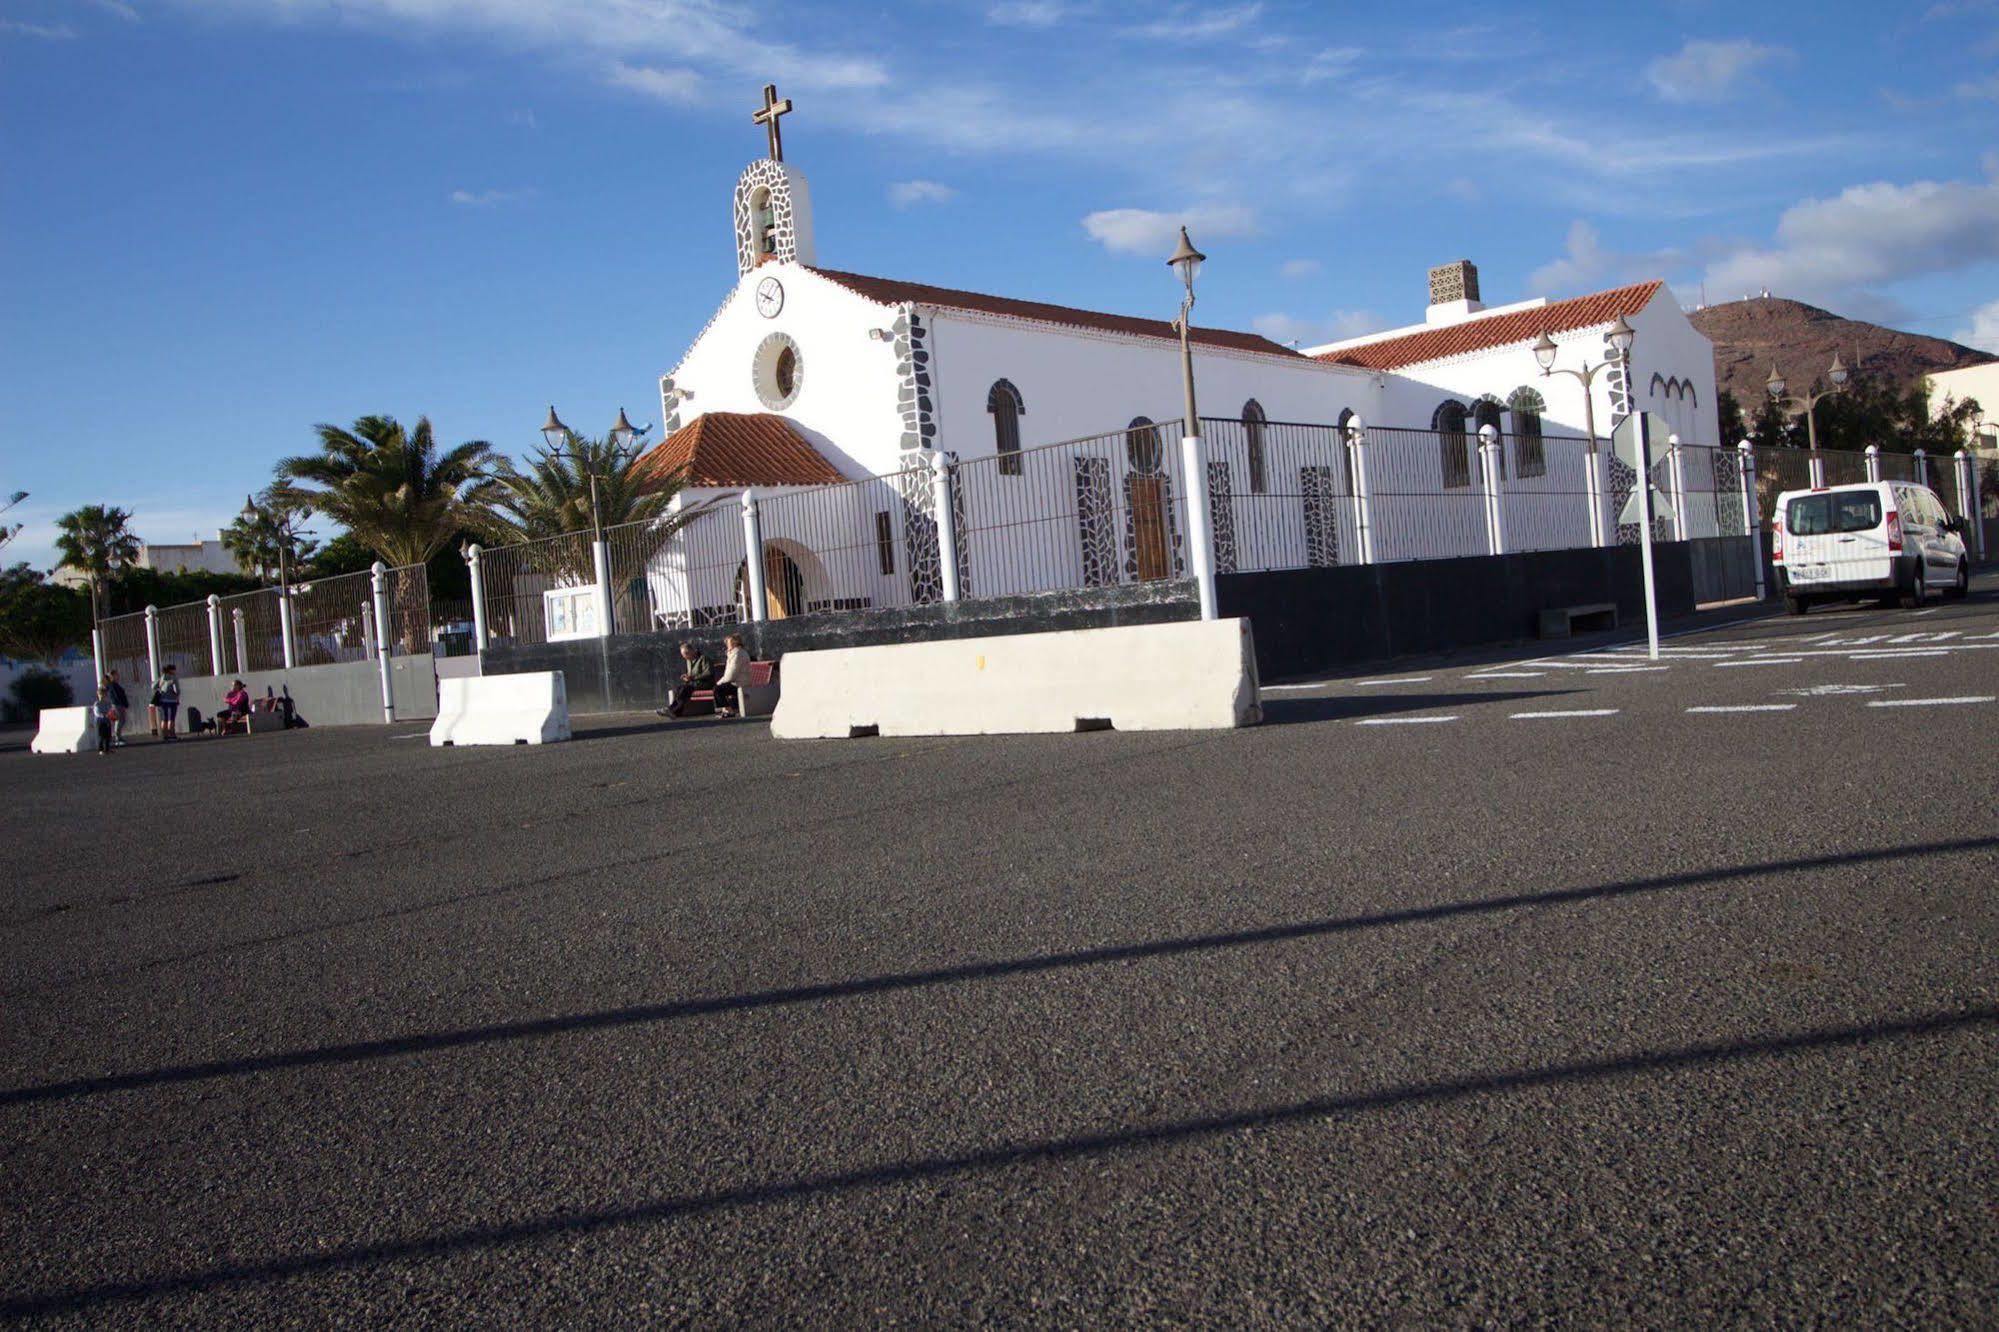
739,449
1479,334
890,291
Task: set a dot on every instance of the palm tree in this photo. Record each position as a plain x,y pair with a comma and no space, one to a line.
97,542
553,495
255,541
391,488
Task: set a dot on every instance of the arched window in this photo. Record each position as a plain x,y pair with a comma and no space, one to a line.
1452,448
1490,411
1529,455
1142,445
1253,422
1346,454
1003,401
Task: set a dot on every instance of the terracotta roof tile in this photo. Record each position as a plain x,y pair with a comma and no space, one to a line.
1479,334
890,291
739,449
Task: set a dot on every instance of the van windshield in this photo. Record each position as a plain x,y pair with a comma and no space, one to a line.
1837,511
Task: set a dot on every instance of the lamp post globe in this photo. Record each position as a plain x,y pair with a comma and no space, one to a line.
1622,335
1544,351
1775,383
1837,373
623,432
553,430
1187,261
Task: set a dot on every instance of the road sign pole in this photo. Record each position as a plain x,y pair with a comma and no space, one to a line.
1644,489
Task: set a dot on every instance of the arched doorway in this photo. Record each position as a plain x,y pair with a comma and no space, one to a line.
1145,492
784,586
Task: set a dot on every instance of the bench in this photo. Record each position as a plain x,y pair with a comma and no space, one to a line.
1562,621
757,693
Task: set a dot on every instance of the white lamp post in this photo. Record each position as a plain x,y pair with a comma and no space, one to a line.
1621,336
1187,261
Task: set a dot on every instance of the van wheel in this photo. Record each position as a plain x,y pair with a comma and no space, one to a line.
1918,590
1962,587
1796,604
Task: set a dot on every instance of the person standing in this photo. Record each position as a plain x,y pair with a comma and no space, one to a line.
166,700
102,710
696,672
122,702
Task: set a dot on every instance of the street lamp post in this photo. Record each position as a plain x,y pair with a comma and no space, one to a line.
1187,262
282,529
1796,406
561,444
1622,335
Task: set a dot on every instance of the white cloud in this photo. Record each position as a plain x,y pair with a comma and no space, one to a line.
906,193
1028,13
1191,23
1301,268
1586,265
1983,330
1331,63
1984,90
1142,231
682,86
487,198
1336,327
47,32
118,7
1703,71
1840,249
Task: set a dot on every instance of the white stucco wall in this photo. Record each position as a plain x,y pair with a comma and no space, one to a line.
846,403
1980,382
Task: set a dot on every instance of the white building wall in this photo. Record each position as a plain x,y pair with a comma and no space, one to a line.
1978,382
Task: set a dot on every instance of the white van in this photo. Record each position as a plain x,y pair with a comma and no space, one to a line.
1890,539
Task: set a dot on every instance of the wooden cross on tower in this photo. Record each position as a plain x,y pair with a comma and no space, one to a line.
767,117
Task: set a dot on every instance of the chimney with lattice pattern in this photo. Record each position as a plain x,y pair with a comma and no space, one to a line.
1453,292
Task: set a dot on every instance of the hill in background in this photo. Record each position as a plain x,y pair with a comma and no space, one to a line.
1749,336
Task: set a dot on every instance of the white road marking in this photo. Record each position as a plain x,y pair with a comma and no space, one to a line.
413,735
1407,679
1759,661
1929,702
1894,656
1578,712
1748,707
1402,721
1508,675
1285,689
1834,690
1624,670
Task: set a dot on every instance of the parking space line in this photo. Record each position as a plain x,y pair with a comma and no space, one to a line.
1403,721
1746,707
1577,712
1508,675
1759,661
1929,702
1624,670
1406,679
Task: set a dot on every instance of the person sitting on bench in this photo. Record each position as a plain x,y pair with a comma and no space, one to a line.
235,714
735,674
696,673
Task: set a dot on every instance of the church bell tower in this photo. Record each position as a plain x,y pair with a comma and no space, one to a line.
773,207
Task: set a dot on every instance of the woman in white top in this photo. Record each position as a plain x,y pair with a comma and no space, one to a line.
735,674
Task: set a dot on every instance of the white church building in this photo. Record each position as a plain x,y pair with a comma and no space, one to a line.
828,393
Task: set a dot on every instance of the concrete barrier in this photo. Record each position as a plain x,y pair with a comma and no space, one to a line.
530,709
64,731
1189,675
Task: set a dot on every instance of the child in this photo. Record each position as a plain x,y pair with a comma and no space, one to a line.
103,712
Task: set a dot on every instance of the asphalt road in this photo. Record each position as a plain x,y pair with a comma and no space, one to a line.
1627,1013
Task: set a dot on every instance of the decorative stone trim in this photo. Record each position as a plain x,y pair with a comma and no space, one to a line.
1096,522
914,395
1322,528
1221,516
763,371
765,174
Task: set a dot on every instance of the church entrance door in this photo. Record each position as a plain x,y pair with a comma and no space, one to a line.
1148,526
784,585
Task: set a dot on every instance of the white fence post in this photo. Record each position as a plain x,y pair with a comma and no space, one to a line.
383,648
1200,522
1922,468
1596,474
1488,466
600,566
153,642
97,651
1676,473
242,643
1874,463
1968,499
285,627
947,523
753,559
216,664
478,596
1815,469
1363,502
1751,522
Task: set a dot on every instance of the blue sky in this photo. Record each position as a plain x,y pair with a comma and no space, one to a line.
224,220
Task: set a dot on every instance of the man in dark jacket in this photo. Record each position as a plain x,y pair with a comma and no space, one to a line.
696,673
121,701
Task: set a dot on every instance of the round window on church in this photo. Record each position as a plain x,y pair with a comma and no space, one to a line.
778,371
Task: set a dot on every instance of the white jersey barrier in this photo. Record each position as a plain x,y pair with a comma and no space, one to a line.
530,709
1185,676
65,731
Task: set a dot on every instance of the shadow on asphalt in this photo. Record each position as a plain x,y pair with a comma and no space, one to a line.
1137,1137
1350,707
678,1010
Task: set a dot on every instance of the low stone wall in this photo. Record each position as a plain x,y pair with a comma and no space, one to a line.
347,693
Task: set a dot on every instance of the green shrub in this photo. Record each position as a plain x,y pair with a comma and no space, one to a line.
33,690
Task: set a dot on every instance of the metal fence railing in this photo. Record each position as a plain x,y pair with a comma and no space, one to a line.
851,546
125,650
1280,495
330,619
697,577
1424,494
519,578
